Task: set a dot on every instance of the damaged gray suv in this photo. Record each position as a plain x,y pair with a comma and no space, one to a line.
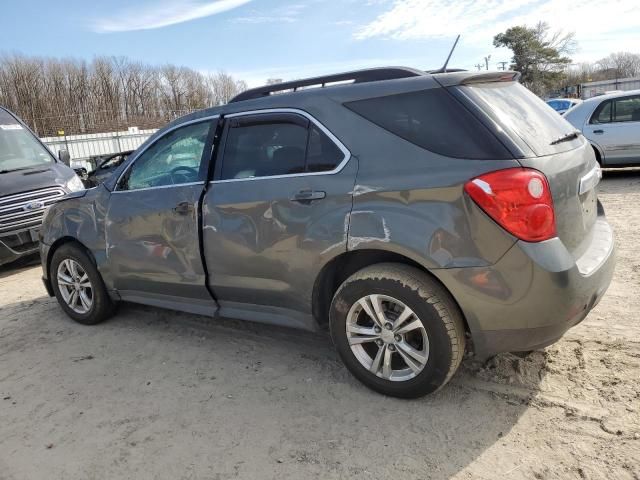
415,215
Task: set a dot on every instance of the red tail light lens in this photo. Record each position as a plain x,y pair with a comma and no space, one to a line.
519,200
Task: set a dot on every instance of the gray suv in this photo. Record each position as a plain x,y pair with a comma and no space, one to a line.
415,215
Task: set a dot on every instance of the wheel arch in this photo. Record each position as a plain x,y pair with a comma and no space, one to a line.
341,267
67,239
598,153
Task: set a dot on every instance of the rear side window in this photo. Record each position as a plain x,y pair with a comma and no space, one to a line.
266,145
627,109
433,120
322,153
602,114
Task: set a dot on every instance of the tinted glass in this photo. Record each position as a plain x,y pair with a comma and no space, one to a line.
524,114
434,120
602,114
18,147
627,109
172,160
322,153
264,149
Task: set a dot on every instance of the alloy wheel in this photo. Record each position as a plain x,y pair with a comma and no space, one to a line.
387,337
74,285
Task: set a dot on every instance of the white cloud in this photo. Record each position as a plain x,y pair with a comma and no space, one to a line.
287,14
479,20
162,14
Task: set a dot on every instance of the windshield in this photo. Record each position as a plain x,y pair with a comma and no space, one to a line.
18,147
520,111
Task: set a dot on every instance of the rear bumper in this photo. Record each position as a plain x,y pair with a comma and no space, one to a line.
534,293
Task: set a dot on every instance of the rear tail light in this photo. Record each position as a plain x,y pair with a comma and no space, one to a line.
518,199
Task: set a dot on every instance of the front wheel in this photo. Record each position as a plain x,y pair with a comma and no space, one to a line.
397,330
78,286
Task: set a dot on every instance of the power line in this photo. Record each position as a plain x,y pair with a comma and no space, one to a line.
502,65
479,66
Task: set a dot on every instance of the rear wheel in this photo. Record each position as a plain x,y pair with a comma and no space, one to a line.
78,286
597,154
397,330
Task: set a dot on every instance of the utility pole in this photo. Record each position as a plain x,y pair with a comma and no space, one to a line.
502,65
486,62
478,66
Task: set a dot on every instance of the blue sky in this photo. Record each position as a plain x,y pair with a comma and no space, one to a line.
260,39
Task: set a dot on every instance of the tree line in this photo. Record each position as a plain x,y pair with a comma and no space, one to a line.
614,66
543,59
106,94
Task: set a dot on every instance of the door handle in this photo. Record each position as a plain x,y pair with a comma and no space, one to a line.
307,196
598,132
183,208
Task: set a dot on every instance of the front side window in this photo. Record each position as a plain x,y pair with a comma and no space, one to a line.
627,109
267,145
602,114
174,159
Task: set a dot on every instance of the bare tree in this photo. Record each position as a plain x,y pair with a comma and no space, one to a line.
223,87
107,93
622,64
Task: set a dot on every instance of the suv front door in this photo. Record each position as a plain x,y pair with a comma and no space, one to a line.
152,233
276,212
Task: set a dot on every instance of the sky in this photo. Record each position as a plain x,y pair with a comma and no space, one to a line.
259,39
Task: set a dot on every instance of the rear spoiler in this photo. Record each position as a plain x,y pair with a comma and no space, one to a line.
492,77
468,78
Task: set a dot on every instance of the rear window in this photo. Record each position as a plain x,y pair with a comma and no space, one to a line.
432,119
523,113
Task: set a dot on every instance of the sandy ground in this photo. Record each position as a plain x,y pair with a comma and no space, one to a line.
156,394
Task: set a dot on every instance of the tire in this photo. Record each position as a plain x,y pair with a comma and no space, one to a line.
434,349
100,307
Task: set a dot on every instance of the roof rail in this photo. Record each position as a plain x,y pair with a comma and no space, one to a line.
357,76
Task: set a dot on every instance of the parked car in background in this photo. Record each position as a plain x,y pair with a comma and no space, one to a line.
31,179
414,215
561,105
105,166
611,123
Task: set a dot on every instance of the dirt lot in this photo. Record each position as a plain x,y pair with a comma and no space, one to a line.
156,394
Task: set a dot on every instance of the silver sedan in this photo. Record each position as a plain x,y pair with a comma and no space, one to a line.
611,123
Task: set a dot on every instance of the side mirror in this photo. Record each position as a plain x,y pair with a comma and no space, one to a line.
64,157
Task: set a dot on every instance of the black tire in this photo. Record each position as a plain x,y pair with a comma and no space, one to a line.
431,303
102,307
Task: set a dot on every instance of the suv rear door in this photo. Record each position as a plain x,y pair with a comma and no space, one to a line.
275,213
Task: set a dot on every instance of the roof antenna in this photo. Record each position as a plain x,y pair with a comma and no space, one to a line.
444,67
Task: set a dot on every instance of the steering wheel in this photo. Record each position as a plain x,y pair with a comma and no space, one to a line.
187,174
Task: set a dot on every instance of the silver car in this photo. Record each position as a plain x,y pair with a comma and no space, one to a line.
611,123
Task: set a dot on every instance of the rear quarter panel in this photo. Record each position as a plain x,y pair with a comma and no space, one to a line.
411,201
